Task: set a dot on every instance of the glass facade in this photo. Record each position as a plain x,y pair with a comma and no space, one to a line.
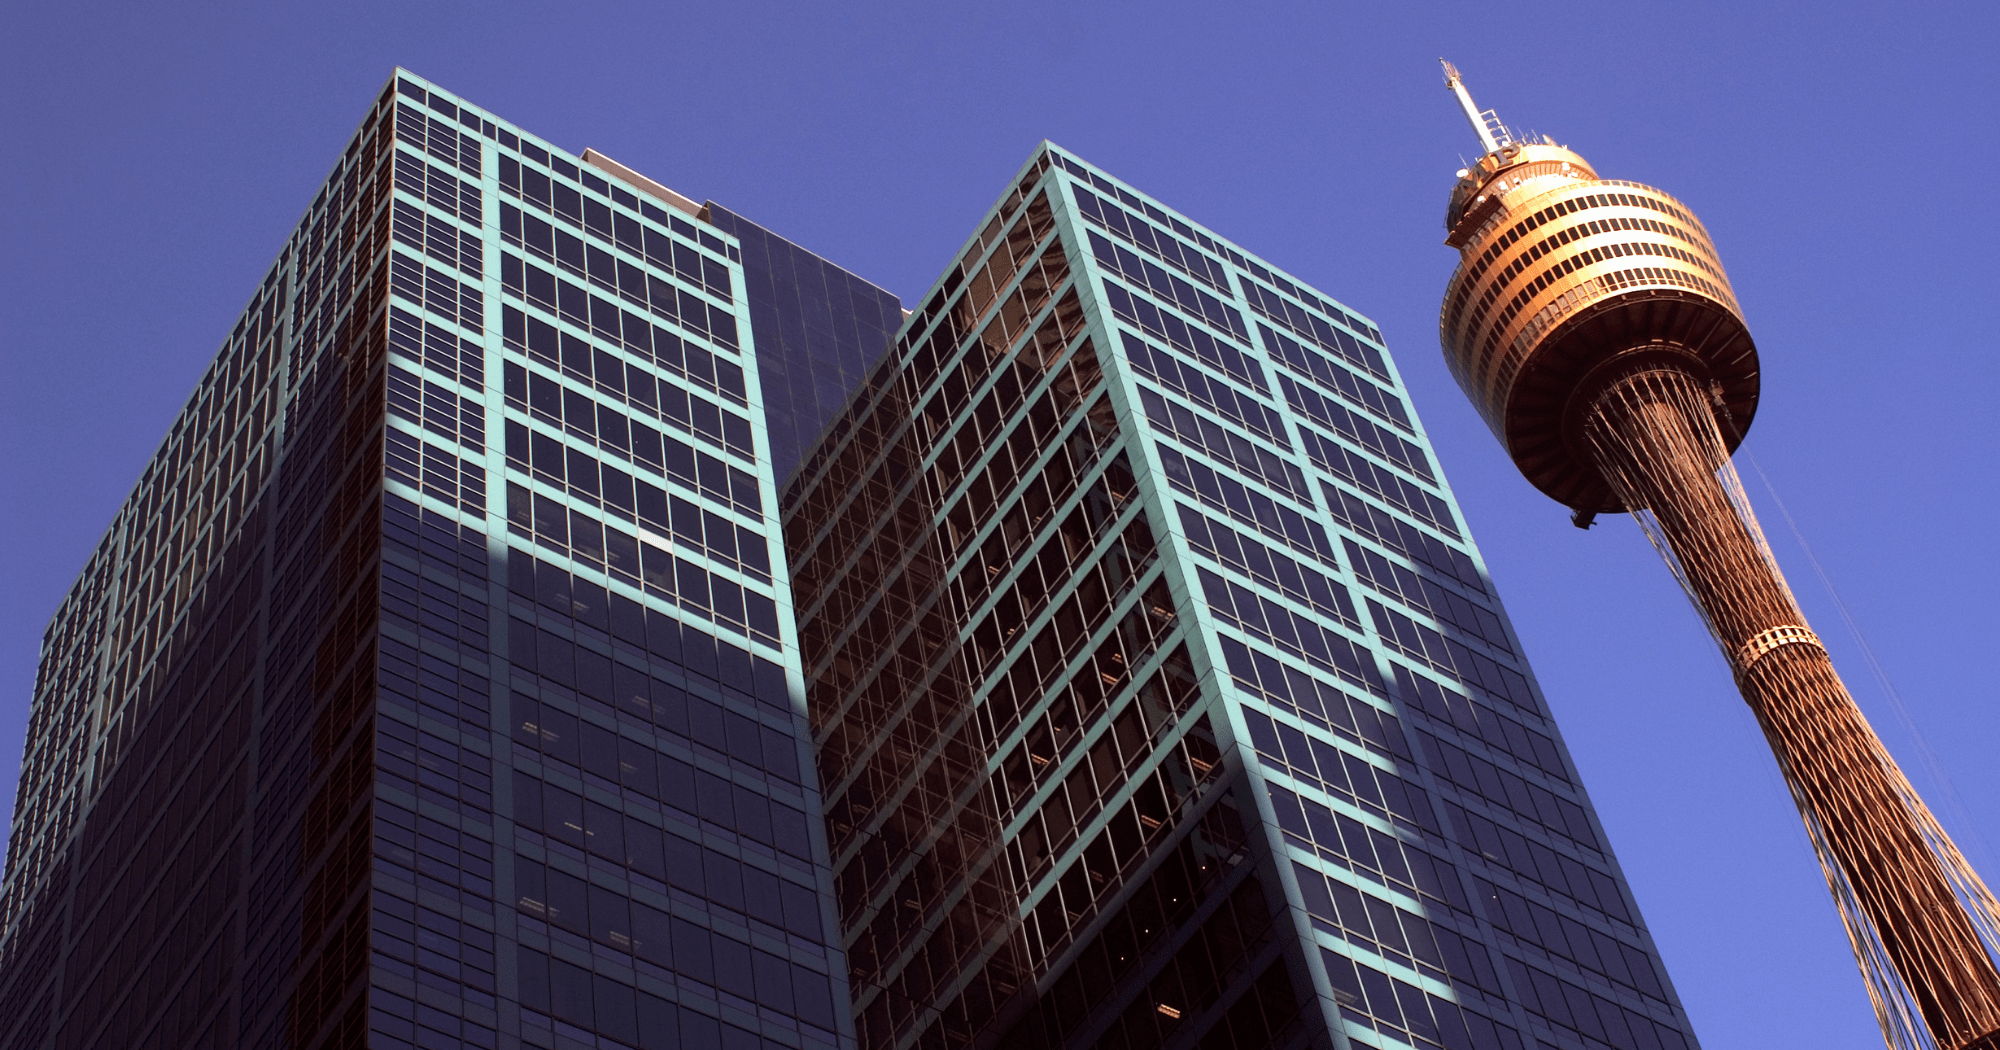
437,684
1159,696
819,329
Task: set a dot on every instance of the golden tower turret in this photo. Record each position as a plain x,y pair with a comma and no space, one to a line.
1561,274
1591,323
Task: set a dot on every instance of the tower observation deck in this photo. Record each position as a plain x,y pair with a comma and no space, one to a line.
1591,323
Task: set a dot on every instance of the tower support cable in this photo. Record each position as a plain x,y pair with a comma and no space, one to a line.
1654,436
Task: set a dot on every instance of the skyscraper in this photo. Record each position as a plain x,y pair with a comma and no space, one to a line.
1592,324
1159,695
436,685
439,684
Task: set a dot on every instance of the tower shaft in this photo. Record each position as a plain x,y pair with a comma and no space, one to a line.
1653,434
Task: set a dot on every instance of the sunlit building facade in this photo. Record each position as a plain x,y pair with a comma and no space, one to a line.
1159,694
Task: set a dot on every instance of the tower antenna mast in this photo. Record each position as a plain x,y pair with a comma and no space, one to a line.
1492,134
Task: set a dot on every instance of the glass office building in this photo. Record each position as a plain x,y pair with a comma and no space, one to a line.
437,686
1159,695
441,684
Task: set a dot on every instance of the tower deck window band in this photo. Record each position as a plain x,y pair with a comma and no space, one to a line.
1767,640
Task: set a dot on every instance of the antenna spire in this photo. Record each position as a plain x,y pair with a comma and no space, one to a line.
1492,134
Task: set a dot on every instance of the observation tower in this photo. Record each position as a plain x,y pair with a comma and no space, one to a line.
1591,323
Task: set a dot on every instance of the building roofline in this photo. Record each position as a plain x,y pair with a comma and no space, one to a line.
643,184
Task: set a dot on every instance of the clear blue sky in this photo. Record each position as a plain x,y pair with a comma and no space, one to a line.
1842,155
